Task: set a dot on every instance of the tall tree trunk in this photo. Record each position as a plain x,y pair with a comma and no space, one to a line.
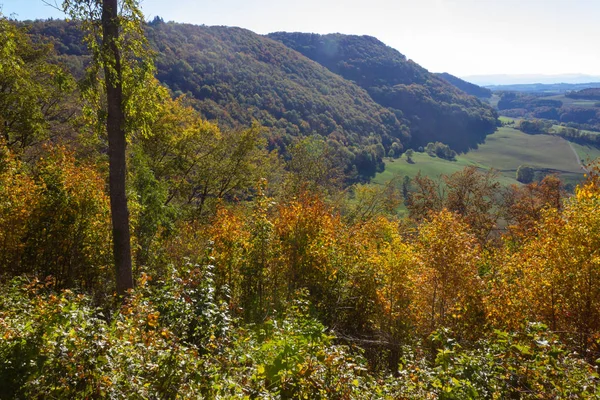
115,123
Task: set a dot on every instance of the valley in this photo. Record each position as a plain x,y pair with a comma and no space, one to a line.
503,151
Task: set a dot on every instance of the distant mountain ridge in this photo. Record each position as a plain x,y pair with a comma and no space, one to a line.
556,88
523,79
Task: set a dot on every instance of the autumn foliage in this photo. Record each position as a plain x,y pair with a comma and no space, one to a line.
55,220
263,276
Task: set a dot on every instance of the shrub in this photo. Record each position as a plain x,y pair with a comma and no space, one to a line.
525,174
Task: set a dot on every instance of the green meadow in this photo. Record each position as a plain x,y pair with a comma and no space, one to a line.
503,151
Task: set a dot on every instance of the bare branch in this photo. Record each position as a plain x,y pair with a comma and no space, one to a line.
53,4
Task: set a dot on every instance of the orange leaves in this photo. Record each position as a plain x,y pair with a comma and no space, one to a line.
524,206
308,232
152,319
393,260
230,241
372,277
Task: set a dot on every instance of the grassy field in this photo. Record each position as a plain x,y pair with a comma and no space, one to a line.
430,166
508,148
586,153
568,102
504,119
503,151
555,128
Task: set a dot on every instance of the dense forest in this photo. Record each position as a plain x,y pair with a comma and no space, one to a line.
436,110
586,94
261,272
467,87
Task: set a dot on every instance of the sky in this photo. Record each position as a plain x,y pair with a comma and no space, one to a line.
462,37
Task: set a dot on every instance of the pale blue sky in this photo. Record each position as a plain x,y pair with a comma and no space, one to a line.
463,37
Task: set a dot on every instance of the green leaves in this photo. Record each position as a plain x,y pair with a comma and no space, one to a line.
33,91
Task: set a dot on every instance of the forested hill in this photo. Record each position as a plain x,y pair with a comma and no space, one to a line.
437,110
467,87
235,76
365,98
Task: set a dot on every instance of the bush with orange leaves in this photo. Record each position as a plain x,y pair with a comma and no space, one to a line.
266,255
55,221
523,205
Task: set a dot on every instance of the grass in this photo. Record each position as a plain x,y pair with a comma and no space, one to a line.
422,162
503,151
586,153
555,128
504,119
508,148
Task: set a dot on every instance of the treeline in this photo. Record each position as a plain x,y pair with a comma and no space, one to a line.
538,126
585,94
518,105
467,87
514,100
261,276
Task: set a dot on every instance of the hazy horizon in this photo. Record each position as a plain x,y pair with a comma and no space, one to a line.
517,79
466,38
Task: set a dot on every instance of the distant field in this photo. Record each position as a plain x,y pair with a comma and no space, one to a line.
568,102
508,148
504,119
504,151
586,153
555,128
430,166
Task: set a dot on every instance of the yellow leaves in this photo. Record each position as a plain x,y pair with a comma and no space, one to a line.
144,279
446,278
554,276
260,370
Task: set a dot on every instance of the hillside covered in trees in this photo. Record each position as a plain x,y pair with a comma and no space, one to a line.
467,87
436,110
234,76
256,274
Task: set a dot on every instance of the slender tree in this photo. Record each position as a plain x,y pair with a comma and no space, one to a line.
115,127
116,40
